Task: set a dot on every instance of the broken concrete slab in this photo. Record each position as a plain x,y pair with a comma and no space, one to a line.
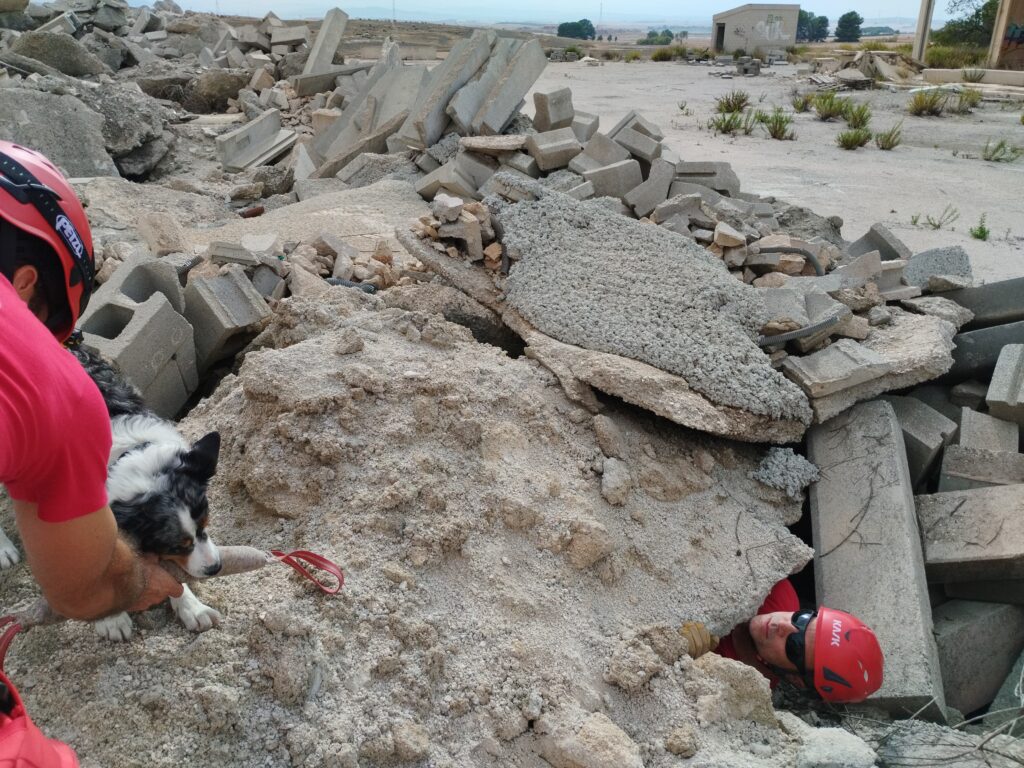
717,176
328,38
866,543
255,143
979,430
951,260
941,307
448,178
925,433
973,535
972,671
645,197
879,238
966,468
554,110
615,180
466,103
60,51
1005,397
837,367
308,84
553,149
502,101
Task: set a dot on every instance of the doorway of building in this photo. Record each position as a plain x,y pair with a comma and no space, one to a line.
719,36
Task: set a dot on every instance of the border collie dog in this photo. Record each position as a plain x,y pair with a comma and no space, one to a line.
156,485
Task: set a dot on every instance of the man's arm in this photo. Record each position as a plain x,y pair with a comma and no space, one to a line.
85,569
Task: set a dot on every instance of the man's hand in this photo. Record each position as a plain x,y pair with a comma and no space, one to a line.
159,585
85,569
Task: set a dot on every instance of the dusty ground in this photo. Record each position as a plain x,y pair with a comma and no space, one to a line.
937,165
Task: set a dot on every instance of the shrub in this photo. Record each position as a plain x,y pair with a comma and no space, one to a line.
577,50
857,116
948,216
750,120
727,123
890,139
1001,152
631,56
972,75
734,101
662,54
966,100
955,56
778,125
829,106
802,101
905,48
874,45
854,138
610,55
928,103
980,232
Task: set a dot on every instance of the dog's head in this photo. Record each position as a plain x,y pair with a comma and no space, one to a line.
165,509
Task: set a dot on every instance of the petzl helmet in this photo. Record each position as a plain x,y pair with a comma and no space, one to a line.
847,658
42,218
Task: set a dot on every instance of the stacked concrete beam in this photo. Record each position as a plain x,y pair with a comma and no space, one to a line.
468,100
973,535
328,38
226,312
255,143
1005,397
867,544
978,645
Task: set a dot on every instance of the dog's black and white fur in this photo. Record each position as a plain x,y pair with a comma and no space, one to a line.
156,485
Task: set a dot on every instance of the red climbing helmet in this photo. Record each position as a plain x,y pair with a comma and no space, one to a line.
847,658
43,222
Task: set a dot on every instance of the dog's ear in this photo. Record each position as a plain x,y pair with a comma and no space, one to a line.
201,461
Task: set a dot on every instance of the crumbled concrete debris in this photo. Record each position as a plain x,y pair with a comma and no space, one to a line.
786,470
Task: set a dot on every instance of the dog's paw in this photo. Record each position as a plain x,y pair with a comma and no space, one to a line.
193,613
117,628
9,555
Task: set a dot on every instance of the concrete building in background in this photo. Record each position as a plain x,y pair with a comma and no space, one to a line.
755,25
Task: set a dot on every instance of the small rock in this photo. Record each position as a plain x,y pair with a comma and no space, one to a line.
879,316
411,741
446,208
834,748
771,280
616,482
940,283
589,543
727,236
162,233
682,741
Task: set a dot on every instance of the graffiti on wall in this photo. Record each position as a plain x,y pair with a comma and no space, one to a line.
772,29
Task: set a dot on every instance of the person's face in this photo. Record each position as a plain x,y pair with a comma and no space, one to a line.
770,631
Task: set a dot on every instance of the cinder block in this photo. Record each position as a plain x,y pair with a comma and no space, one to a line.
226,311
973,535
615,180
840,366
142,339
640,146
717,176
978,644
585,125
879,238
951,260
553,149
979,430
867,544
925,433
554,110
966,468
977,351
1005,396
137,279
649,195
328,38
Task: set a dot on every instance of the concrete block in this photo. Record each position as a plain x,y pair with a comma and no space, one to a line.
554,110
553,149
988,590
290,36
308,84
644,198
1005,396
322,119
867,544
226,311
1006,706
139,278
979,430
466,103
973,535
261,80
141,339
497,146
992,303
837,367
328,38
615,180
585,125
255,143
978,644
640,146
266,281
639,123
502,100
879,238
220,252
965,468
520,161
937,396
969,394
67,22
476,168
583,191
447,178
303,165
509,183
925,433
977,351
717,176
951,260
940,307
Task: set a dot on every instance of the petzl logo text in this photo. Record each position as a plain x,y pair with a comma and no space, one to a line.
70,234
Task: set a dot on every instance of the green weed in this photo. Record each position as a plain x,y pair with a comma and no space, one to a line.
853,138
948,216
928,103
980,232
858,115
891,138
734,101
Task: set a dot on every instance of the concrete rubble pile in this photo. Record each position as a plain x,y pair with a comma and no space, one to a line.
441,338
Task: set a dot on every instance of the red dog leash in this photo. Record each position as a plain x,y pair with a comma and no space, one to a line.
301,559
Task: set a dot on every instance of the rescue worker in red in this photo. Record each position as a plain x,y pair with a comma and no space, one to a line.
54,428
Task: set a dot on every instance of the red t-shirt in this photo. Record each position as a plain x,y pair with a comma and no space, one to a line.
54,427
781,598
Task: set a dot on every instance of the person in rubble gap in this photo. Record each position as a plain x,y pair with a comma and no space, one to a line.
55,435
826,651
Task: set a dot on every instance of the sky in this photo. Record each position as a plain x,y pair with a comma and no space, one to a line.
544,11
